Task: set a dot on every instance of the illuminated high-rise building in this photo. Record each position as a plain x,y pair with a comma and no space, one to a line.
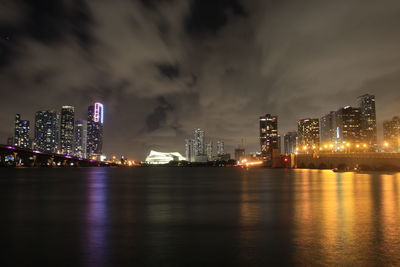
199,143
348,125
269,138
220,148
95,130
368,121
67,134
47,131
391,135
209,150
189,150
308,134
80,138
290,142
21,132
328,128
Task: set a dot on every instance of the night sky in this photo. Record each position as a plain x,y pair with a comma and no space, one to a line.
163,67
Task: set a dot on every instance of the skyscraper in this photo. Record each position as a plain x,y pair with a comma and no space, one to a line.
391,135
209,150
290,142
21,132
328,128
220,148
199,142
368,121
308,134
47,131
348,125
269,138
67,130
95,130
80,138
189,150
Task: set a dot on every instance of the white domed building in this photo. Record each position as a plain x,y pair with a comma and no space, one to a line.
158,158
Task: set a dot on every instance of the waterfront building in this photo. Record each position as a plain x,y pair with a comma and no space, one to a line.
80,138
21,133
308,134
67,134
290,142
348,127
391,135
47,131
199,143
159,158
95,130
368,121
328,128
269,138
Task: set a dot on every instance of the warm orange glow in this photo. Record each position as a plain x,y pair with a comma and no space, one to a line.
253,163
385,144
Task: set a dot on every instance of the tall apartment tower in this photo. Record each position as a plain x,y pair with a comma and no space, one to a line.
80,138
47,131
21,132
348,125
290,142
308,133
328,128
67,133
199,148
209,151
269,138
391,134
189,150
220,148
368,121
95,130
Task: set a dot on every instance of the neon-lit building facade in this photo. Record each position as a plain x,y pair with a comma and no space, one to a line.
159,158
95,130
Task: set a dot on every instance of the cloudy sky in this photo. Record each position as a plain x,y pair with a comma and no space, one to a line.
165,67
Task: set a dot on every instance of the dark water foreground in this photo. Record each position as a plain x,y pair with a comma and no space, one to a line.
198,217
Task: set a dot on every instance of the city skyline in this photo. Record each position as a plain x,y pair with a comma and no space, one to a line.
326,125
172,71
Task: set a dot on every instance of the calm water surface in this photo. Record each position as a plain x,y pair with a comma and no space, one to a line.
198,217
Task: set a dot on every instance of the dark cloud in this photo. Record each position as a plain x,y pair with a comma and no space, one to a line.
164,68
208,16
171,71
158,117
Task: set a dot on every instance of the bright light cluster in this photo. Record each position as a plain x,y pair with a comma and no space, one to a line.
98,113
163,158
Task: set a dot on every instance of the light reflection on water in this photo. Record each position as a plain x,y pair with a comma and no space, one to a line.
200,217
96,217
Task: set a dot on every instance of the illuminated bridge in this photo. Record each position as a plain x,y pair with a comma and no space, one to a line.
18,157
